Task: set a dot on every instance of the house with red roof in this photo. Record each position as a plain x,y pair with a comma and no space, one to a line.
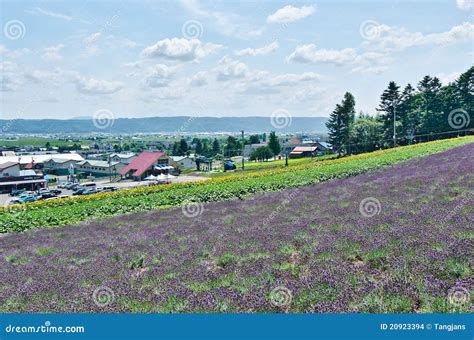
145,164
303,151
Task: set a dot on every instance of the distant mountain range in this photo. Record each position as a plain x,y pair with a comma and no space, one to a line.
179,124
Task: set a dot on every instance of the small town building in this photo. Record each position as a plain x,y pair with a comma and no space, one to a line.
9,169
183,162
147,163
58,166
303,151
98,168
125,158
12,178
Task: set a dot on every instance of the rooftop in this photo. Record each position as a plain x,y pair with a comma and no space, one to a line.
142,163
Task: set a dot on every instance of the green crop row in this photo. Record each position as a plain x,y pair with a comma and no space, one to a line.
72,210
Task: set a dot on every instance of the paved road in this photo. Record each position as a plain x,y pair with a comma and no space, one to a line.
5,198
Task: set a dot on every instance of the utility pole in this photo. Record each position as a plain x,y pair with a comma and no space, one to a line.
394,123
110,169
243,146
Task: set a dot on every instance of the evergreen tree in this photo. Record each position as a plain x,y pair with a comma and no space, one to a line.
339,123
430,104
274,143
215,147
198,148
464,90
389,101
232,147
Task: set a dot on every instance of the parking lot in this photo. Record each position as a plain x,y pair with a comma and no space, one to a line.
6,198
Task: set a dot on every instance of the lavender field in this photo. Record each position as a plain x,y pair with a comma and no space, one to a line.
395,240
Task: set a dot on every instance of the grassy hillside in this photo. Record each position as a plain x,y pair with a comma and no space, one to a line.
395,240
239,186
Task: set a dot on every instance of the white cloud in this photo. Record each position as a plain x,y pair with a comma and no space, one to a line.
52,14
38,76
159,75
465,5
199,79
92,39
179,49
230,68
390,38
290,13
447,78
52,53
92,86
309,54
7,53
258,51
9,77
228,24
371,63
291,79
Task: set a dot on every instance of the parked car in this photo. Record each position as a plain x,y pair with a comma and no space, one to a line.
56,191
90,192
26,194
108,189
17,192
27,199
64,185
15,201
44,195
79,191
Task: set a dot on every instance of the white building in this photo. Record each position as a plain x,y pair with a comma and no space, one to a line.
125,158
99,168
10,169
184,162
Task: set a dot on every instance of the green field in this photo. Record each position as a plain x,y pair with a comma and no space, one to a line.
77,209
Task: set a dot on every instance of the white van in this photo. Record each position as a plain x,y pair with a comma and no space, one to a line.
88,185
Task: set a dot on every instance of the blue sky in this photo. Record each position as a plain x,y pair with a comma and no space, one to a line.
63,59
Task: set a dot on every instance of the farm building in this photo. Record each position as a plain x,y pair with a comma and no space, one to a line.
145,164
317,148
303,151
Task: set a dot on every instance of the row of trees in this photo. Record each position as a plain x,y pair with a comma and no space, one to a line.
404,116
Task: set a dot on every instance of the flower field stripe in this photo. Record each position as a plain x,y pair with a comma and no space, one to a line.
76,209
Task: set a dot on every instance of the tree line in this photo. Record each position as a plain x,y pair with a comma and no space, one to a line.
405,116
